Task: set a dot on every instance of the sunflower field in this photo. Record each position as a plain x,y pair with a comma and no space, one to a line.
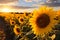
41,24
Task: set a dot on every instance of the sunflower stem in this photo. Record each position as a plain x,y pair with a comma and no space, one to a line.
26,35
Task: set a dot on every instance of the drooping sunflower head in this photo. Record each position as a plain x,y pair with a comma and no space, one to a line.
42,20
16,30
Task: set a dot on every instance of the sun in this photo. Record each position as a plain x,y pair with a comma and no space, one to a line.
6,10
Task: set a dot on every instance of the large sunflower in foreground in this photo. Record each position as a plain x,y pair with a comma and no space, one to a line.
42,20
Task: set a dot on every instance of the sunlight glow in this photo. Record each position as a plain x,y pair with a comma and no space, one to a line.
6,10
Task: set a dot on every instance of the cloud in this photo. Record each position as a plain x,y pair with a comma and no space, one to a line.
38,4
52,4
49,1
7,1
11,3
17,8
28,0
36,0
31,0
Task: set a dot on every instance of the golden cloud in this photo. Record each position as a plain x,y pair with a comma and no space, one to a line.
7,1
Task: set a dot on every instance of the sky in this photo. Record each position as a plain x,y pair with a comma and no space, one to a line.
29,3
25,2
20,2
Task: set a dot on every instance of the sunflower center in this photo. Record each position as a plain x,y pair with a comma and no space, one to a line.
12,22
27,14
42,21
18,30
21,20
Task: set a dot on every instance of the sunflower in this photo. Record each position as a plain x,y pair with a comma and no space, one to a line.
8,16
12,22
21,20
16,30
58,12
42,20
17,16
27,14
58,15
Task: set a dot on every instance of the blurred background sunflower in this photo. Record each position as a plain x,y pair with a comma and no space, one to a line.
12,22
42,20
17,15
27,15
21,20
16,30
